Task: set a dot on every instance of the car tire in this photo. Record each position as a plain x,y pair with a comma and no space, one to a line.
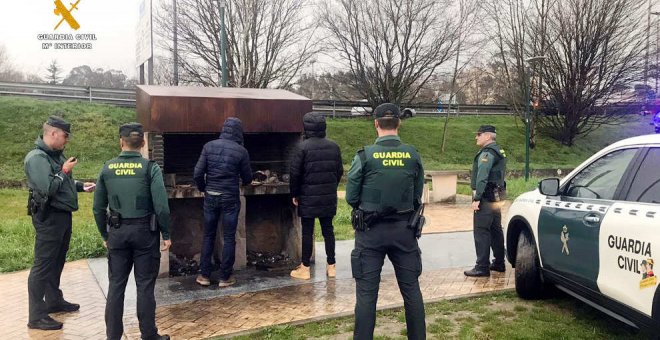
529,284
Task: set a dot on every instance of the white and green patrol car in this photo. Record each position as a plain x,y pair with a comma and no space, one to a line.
595,234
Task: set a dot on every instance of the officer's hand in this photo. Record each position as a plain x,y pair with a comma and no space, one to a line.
105,244
475,205
69,164
166,245
295,201
89,186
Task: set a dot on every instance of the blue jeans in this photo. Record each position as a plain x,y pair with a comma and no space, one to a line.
216,206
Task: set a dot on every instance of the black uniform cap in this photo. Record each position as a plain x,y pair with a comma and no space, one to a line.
387,110
59,123
130,130
486,128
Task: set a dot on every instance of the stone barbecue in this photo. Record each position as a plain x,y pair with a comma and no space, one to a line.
178,121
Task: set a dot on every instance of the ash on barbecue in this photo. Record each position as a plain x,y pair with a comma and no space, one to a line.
267,261
183,266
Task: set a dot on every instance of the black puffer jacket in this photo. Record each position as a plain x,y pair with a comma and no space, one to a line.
223,160
316,169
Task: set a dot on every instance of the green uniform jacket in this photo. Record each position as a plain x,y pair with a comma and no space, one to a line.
49,184
393,177
122,186
489,166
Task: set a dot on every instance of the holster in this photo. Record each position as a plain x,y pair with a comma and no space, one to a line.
114,219
494,192
417,220
363,220
357,219
34,204
153,223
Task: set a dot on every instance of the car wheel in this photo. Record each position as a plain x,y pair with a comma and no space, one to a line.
529,284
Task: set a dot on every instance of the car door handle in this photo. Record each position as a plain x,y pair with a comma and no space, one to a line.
592,218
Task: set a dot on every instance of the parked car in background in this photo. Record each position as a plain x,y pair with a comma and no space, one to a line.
367,110
656,122
595,234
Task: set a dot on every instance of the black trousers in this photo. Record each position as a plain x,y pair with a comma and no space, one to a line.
488,234
398,242
308,238
132,247
53,234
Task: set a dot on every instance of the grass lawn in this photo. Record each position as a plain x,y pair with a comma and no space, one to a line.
17,232
493,316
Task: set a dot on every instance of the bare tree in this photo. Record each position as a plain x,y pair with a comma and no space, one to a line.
391,47
592,49
268,41
54,71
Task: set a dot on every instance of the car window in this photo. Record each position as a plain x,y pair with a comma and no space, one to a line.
646,184
600,179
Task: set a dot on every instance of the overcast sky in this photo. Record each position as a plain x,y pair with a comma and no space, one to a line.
114,23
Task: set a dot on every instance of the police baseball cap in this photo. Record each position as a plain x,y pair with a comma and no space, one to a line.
131,130
387,110
486,128
59,123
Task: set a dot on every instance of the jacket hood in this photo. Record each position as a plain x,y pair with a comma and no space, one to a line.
314,124
39,142
232,130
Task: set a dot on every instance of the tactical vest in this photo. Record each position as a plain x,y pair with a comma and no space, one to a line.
498,170
389,170
128,182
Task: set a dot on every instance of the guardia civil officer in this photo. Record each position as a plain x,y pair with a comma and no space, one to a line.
488,189
53,197
384,187
129,191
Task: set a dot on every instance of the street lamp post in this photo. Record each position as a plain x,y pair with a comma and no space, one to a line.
223,41
657,41
528,114
175,69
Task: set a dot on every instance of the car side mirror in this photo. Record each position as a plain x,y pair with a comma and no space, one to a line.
549,187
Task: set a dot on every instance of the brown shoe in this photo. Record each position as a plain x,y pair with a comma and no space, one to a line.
228,282
203,280
301,272
331,270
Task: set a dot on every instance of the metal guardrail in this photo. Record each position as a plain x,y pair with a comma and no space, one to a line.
62,92
126,98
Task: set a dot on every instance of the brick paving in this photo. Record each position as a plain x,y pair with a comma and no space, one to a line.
223,315
248,311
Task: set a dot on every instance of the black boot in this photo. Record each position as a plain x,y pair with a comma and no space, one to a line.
46,324
64,306
498,267
474,272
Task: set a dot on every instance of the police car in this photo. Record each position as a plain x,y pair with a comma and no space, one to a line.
595,234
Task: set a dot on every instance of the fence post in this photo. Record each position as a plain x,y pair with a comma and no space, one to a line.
90,93
333,109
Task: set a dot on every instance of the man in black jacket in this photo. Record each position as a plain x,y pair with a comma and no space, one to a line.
217,174
316,169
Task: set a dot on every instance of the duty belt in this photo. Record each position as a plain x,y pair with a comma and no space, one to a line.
137,220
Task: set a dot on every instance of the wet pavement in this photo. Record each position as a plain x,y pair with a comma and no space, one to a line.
260,298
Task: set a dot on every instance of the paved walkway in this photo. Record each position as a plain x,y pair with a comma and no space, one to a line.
188,311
